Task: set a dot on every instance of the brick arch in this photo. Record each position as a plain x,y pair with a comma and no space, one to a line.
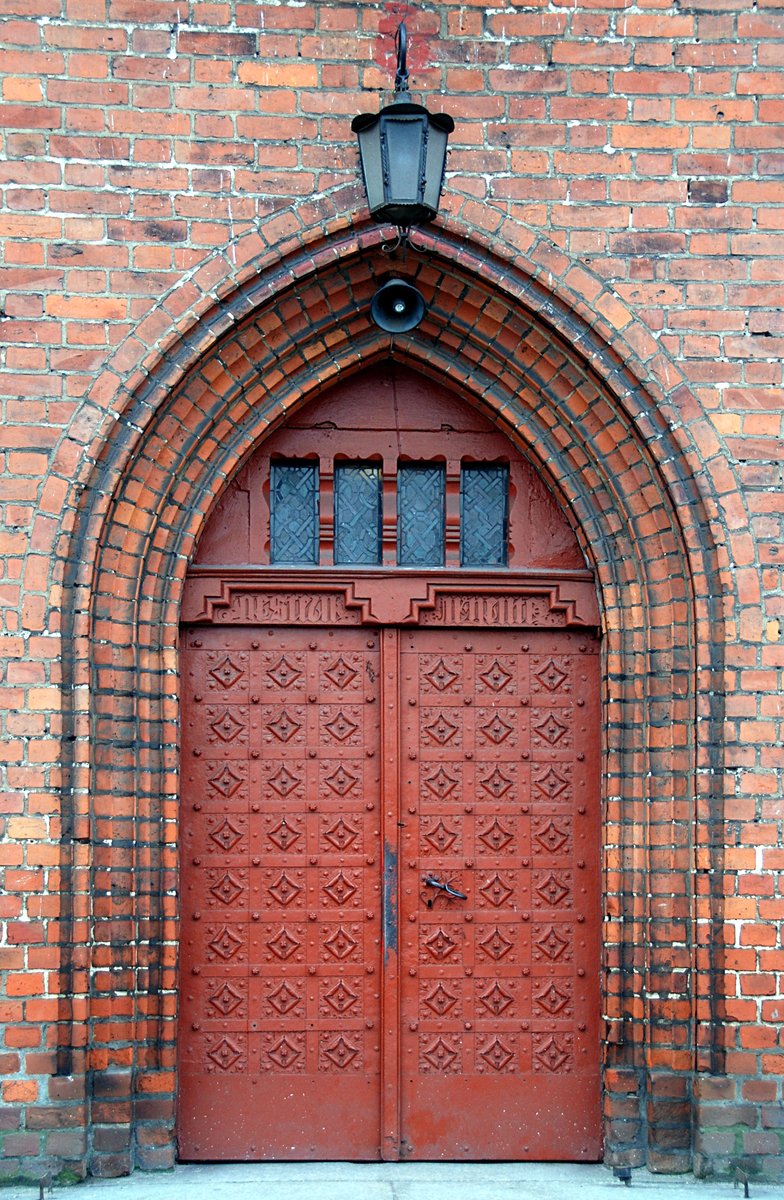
638,495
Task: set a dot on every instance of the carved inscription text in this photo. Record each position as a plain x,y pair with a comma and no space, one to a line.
284,608
508,610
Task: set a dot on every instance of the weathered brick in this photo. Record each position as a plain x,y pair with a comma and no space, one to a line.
623,167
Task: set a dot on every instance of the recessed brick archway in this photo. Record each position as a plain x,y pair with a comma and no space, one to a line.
630,480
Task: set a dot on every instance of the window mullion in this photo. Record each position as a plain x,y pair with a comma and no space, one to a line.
326,512
452,517
389,512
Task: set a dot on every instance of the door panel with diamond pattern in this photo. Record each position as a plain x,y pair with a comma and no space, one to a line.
499,895
463,1022
280,906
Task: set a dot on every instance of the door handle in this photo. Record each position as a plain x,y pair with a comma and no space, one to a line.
443,887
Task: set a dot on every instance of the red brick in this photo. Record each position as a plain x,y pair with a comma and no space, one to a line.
158,172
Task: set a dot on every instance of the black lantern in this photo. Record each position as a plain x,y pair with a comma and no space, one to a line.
403,154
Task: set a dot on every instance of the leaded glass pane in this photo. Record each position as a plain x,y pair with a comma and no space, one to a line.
357,514
484,509
294,513
420,515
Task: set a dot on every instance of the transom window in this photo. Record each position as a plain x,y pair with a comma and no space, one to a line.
425,515
357,514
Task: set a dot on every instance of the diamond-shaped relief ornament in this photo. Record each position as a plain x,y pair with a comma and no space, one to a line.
283,781
496,730
496,1000
496,945
441,1000
496,890
552,998
552,837
551,1055
496,677
226,999
441,784
284,944
284,726
226,835
226,673
340,889
341,781
440,1055
341,673
226,943
497,1055
341,1053
441,837
341,727
340,998
440,944
551,783
225,781
441,730
497,784
341,943
552,890
341,834
227,889
441,676
285,1054
226,726
496,837
552,943
551,729
284,889
284,673
284,998
224,1054
283,835
551,676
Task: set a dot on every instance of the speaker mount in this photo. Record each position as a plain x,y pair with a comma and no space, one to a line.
397,306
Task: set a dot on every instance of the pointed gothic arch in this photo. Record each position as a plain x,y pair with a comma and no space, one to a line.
615,453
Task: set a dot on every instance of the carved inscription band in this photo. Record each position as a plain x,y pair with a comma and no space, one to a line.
536,604
508,611
283,608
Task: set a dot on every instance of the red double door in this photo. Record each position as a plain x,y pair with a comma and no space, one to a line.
390,932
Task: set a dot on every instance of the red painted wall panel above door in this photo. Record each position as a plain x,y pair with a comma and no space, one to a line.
391,416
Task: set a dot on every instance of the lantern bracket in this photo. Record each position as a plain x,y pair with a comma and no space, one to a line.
401,45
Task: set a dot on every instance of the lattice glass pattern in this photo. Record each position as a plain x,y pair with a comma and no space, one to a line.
484,516
357,514
421,490
294,513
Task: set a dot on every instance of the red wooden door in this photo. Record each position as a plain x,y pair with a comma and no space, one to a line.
500,931
280,899
342,791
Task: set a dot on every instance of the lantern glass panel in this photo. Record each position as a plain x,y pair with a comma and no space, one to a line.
372,167
434,166
403,137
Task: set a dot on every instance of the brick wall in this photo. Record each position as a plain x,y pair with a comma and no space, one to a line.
611,241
